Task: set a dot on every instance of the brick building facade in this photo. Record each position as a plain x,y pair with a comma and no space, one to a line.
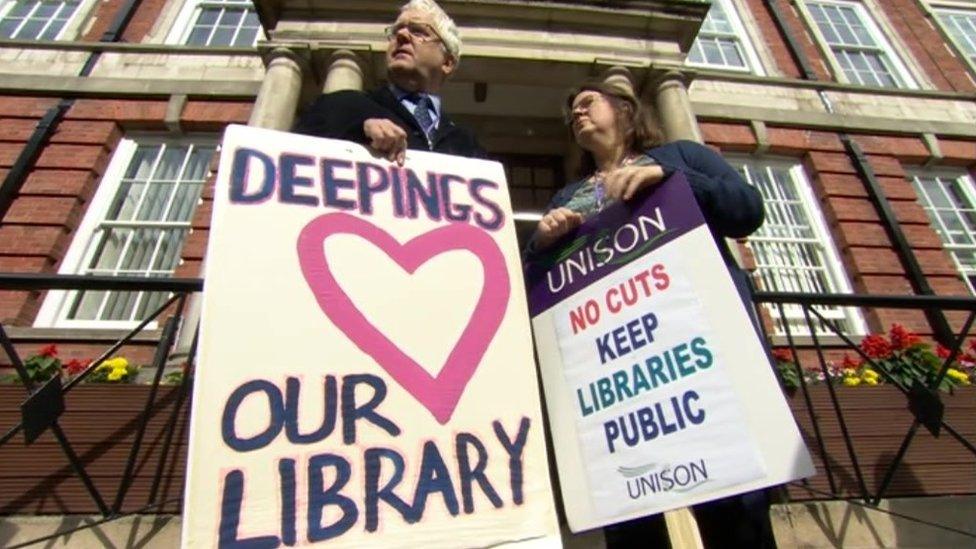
172,86
137,94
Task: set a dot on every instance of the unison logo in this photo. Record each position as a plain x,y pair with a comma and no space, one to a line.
649,479
589,253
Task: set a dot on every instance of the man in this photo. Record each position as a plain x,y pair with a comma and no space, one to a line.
422,51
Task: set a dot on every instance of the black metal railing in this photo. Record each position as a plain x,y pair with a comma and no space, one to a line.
922,397
44,405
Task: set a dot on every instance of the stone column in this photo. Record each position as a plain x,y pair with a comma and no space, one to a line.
677,119
344,72
277,100
620,76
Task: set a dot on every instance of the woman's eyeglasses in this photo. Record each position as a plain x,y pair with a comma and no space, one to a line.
583,106
421,32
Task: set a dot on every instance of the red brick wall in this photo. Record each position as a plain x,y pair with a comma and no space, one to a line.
866,251
22,245
36,232
777,45
138,27
925,42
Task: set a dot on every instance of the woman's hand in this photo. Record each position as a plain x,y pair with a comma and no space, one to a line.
623,183
554,225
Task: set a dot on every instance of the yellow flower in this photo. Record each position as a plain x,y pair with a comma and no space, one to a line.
869,374
113,363
849,372
852,381
116,374
870,381
958,375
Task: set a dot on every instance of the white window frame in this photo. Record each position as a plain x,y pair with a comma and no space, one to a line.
71,27
837,277
873,24
965,182
183,25
54,310
968,8
742,38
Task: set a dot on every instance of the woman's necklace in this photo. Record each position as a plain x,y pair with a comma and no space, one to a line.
599,190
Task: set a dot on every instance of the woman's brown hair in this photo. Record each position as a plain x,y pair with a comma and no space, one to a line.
636,121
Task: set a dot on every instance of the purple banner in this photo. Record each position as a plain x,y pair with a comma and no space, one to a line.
621,233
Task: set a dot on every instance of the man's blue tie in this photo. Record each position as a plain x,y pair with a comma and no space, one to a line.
422,114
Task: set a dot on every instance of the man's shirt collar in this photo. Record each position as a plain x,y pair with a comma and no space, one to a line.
403,98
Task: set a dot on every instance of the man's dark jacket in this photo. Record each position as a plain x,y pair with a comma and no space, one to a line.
340,115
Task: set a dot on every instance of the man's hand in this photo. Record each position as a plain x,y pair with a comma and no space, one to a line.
554,225
387,138
623,183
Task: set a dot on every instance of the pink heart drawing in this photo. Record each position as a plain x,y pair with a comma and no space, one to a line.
438,394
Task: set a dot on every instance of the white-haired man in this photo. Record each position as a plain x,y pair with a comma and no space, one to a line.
423,49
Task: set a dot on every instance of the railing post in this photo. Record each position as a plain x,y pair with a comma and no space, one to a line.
159,362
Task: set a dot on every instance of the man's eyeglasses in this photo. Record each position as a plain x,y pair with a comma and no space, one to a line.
421,32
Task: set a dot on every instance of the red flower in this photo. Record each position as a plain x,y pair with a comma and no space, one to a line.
851,363
942,351
875,346
48,350
901,338
783,355
75,366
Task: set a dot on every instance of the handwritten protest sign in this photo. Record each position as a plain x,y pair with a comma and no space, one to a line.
365,372
660,395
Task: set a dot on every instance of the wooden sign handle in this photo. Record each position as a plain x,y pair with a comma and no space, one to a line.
683,529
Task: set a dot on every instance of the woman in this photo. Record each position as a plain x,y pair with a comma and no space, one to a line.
623,154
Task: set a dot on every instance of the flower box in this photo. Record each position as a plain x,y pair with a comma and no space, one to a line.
878,419
100,421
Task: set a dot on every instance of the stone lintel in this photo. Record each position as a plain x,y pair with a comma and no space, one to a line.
830,122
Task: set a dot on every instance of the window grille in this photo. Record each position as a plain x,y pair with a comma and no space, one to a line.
856,44
229,23
960,25
949,202
793,250
35,19
135,227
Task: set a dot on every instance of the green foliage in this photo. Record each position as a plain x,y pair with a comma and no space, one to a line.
901,358
40,367
788,377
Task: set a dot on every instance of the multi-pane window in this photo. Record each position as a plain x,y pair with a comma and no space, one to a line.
719,43
793,250
135,228
35,19
961,27
949,201
858,47
222,23
532,181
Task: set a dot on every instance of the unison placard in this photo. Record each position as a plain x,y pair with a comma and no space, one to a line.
365,373
660,395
